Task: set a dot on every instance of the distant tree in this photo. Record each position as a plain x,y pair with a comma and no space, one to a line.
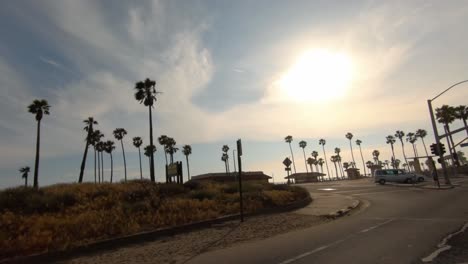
446,115
310,161
386,162
146,94
397,163
411,138
109,147
421,133
346,165
337,152
314,154
148,150
303,144
334,159
320,162
137,142
170,148
96,138
24,174
187,150
163,142
349,136
288,139
100,149
225,157
119,134
89,131
369,164
462,158
400,134
38,108
391,140
323,142
461,112
359,142
376,155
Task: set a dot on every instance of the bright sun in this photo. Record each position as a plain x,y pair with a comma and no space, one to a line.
317,75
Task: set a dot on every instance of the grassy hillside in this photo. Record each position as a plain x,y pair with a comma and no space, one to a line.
67,215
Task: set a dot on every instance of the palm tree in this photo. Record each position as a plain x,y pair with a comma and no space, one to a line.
337,152
323,142
148,150
163,141
187,150
391,140
225,150
461,112
39,108
100,149
119,134
320,162
397,163
310,161
421,133
89,131
369,164
170,148
96,138
303,144
224,158
386,162
137,142
109,147
334,159
349,136
400,134
314,154
446,115
376,155
288,140
24,175
411,138
359,142
346,165
146,94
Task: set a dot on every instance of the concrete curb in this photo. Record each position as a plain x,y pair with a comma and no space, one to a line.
142,237
344,211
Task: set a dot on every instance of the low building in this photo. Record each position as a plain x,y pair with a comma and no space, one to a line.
303,177
223,177
353,173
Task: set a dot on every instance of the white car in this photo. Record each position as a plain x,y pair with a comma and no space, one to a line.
395,175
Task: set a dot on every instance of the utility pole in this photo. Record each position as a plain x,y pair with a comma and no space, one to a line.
239,162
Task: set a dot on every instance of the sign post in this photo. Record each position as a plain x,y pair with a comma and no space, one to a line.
287,162
239,162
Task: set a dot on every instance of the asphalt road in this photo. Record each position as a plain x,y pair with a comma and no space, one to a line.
393,225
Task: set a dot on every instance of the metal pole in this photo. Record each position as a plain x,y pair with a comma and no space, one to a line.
234,159
437,139
239,162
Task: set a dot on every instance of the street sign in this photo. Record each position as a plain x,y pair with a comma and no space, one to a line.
464,145
239,147
287,162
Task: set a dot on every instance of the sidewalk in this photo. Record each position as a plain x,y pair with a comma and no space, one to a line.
329,204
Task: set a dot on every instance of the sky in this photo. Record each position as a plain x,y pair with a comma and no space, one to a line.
255,70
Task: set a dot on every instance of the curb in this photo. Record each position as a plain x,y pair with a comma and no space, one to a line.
147,236
344,211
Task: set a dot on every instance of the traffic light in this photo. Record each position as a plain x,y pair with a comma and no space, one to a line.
442,148
434,150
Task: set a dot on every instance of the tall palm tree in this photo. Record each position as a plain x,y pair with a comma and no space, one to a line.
148,150
109,147
288,140
320,162
100,149
337,152
38,108
411,138
391,140
376,155
303,144
314,154
461,112
400,134
310,161
225,150
137,142
349,136
146,94
187,150
89,131
323,142
421,133
334,159
24,175
96,138
119,134
446,115
170,148
359,142
163,142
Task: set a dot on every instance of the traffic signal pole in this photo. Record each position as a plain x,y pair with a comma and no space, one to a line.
437,139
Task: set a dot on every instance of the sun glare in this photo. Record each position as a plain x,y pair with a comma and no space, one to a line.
318,75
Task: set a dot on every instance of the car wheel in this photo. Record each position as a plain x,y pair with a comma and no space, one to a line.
420,179
382,181
409,181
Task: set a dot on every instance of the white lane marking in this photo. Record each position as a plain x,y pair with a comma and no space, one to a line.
303,255
442,246
378,225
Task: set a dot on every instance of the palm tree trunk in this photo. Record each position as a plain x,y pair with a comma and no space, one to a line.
326,162
414,150
228,169
112,168
424,144
311,170
139,155
393,156
363,163
403,149
188,168
26,181
305,161
125,163
352,154
165,156
36,165
447,131
292,155
336,169
95,164
151,143
83,162
102,165
99,167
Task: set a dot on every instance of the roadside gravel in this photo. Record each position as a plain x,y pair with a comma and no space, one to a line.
183,247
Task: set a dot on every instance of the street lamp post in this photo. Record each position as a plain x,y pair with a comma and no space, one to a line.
436,133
